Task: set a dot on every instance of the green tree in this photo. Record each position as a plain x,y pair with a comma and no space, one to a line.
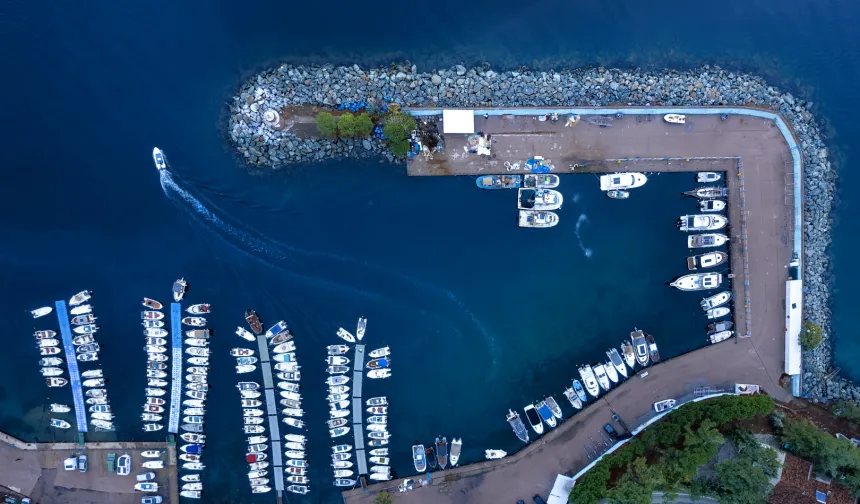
739,481
398,138
383,498
591,487
346,125
847,409
327,124
811,335
637,484
363,125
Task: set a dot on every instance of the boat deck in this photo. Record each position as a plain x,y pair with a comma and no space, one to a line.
277,459
176,370
357,410
72,361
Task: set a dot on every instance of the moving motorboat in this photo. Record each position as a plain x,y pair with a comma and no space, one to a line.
706,240
622,181
379,373
675,118
712,205
179,288
698,281
715,313
702,222
276,329
575,401
537,219
151,315
360,328
705,177
587,375
610,372
600,374
81,309
618,194
498,181
494,454
534,419
720,336
637,337
709,192
580,391
661,406
717,299
59,424
158,158
615,358
708,260
441,454
80,297
539,199
198,309
194,321
41,312
339,349
254,321
653,353
345,335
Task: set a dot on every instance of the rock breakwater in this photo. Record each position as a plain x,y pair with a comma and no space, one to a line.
279,89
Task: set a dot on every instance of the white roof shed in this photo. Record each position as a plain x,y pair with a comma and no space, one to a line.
560,490
458,121
793,324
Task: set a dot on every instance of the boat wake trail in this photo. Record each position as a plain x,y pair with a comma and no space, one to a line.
587,252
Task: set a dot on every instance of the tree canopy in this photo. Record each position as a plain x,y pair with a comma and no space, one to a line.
811,335
327,124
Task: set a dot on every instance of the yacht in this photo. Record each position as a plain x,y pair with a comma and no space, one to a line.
617,362
534,419
675,118
441,453
345,335
276,329
360,328
600,374
179,288
575,401
712,205
374,354
587,375
537,219
498,181
539,199
494,454
158,158
705,177
715,313
702,222
706,240
339,350
652,348
661,406
41,312
151,304
637,337
80,297
198,309
720,336
456,446
610,372
622,181
717,299
580,392
708,260
698,281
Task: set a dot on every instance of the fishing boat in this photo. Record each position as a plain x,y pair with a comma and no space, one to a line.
610,372
379,363
661,406
706,240
377,353
553,407
199,309
50,351
50,361
717,299
539,199
622,181
360,328
80,297
575,401
80,309
712,205
715,313
618,194
298,489
179,288
698,281
702,222
377,401
345,335
720,336
45,334
41,312
653,353
587,375
151,315
340,431
498,181
600,374
441,454
533,418
546,414
537,219
708,260
281,338
59,424
637,337
276,329
715,327
338,349
675,118
84,319
379,373
85,329
709,192
494,454
616,361
194,321
580,391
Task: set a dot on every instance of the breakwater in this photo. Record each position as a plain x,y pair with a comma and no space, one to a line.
286,87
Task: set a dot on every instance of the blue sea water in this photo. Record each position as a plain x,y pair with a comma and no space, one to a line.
481,316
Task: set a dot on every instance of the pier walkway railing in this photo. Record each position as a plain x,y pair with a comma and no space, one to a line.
72,362
357,411
176,370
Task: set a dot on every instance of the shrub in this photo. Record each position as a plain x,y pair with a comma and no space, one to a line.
397,126
811,335
848,410
363,125
383,498
327,124
346,125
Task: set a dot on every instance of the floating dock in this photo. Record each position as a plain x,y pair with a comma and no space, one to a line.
72,361
357,416
277,460
176,371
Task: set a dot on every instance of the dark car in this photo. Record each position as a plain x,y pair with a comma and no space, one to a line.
520,502
538,499
609,430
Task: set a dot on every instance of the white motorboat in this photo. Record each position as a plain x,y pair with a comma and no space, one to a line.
241,352
337,360
704,177
158,159
716,300
51,351
151,453
258,440
100,424
152,408
193,466
156,401
574,399
379,373
360,328
539,199
298,489
96,393
702,222
340,431
155,373
377,401
99,408
60,408
378,410
715,313
380,452
155,332
288,387
45,334
193,419
253,429
94,382
197,342
197,333
80,297
675,118
198,361
640,346
59,424
293,412
198,309
152,427
155,341
713,205
378,477
345,335
257,473
340,380
290,376
192,486
290,366
41,312
154,349
342,464
588,379
297,437
245,368
190,494
81,309
154,392
154,382
611,372
146,487
151,417
245,334
708,260
276,329
720,336
151,315
179,288
194,321
257,448
88,318
337,369
51,361
698,281
380,460
281,338
250,394
252,421
341,349
85,329
661,406
537,219
495,454
292,445
298,479
706,240
102,416
622,181
533,418
615,358
600,374
197,351
289,346
251,403
49,342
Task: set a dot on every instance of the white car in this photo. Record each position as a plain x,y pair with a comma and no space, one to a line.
70,464
123,465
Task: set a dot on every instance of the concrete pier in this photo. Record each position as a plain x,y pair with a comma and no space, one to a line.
72,362
277,459
176,369
357,410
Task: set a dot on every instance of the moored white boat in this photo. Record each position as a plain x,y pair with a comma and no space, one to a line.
179,288
276,329
589,380
81,309
41,312
194,321
702,222
661,406
611,372
640,346
338,349
720,336
360,328
537,219
151,304
716,300
712,205
51,371
60,408
715,313
706,240
675,118
698,281
198,309
707,260
572,397
379,373
533,418
494,454
600,374
704,177
80,297
151,315
345,335
245,334
539,199
615,358
622,181
59,424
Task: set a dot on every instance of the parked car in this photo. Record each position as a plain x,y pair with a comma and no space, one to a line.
70,464
538,499
609,430
151,499
111,462
82,462
147,476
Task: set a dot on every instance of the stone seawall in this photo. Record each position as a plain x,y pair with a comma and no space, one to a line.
262,145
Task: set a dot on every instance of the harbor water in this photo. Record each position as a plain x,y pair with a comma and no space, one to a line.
481,316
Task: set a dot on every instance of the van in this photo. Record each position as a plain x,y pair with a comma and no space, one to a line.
70,464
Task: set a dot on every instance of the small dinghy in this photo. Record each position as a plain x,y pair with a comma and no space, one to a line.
198,309
715,313
717,299
345,335
45,334
495,454
41,312
379,373
337,349
179,288
713,205
705,177
151,315
80,297
60,424
194,321
81,309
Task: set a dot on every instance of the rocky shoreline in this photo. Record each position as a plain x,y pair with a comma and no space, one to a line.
262,141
